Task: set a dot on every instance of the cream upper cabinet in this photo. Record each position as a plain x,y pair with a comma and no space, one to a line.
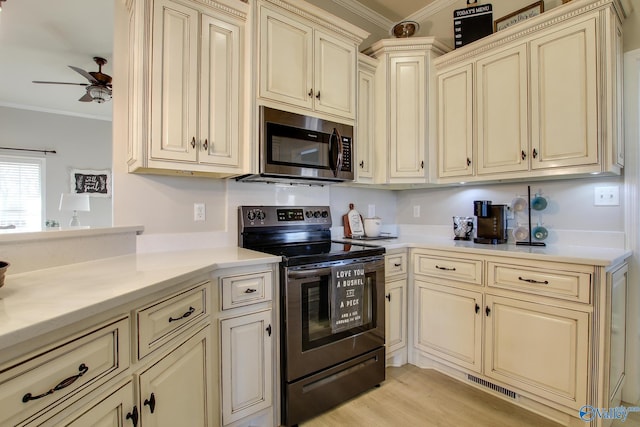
547,98
307,58
564,107
365,119
186,97
405,132
502,111
455,122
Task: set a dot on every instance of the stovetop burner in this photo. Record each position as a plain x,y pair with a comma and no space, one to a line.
300,234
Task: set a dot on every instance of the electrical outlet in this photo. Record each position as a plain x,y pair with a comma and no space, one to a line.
416,211
606,196
199,212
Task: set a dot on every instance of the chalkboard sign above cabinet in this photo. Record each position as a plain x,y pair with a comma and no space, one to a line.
471,24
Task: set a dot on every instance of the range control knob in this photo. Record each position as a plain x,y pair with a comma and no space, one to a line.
308,214
251,215
261,215
316,214
325,214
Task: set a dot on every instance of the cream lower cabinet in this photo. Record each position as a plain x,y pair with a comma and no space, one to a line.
247,342
448,323
396,310
548,334
186,87
538,348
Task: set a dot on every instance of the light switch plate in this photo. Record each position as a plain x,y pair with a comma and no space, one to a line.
607,196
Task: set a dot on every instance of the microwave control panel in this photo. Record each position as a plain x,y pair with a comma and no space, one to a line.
346,154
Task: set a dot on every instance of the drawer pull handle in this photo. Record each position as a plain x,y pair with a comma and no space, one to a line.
184,316
269,329
62,384
388,297
397,265
546,282
151,402
446,268
250,291
133,416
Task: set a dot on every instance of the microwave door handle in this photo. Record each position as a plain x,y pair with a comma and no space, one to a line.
335,153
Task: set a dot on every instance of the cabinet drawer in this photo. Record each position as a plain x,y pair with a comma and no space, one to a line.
245,289
161,321
45,379
461,269
395,264
571,282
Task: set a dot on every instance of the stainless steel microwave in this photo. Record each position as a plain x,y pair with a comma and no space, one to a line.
301,149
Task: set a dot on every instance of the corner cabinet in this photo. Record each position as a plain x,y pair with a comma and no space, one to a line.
396,307
539,99
307,58
548,334
186,87
405,109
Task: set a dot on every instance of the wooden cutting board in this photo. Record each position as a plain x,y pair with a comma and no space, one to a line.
353,223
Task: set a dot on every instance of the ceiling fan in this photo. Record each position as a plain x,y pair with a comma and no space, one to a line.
99,86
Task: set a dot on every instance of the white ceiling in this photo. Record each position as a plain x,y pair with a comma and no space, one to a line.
40,38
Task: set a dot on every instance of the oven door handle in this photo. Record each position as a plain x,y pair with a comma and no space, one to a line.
371,264
302,274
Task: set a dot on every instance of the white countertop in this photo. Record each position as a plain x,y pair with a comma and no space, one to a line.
41,301
604,257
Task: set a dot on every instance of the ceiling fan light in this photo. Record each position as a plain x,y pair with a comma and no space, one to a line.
99,94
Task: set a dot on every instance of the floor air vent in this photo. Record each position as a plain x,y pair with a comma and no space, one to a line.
492,386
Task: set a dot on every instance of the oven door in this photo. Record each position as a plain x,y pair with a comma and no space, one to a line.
312,341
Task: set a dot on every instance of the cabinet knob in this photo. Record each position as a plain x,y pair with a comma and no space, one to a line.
468,161
422,164
205,146
535,153
193,142
388,297
151,402
362,164
487,310
523,155
310,93
268,329
318,95
477,308
133,416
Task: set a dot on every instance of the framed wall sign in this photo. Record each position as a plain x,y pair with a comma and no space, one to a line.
95,183
526,12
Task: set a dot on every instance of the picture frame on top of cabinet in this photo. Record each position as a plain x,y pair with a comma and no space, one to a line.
534,9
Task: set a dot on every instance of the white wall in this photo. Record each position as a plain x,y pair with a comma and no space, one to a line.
79,142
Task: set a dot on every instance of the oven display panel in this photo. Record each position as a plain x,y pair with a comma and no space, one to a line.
290,215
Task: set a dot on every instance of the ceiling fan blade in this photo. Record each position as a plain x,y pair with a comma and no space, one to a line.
60,83
86,98
85,74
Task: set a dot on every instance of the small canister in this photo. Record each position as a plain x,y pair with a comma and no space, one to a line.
462,227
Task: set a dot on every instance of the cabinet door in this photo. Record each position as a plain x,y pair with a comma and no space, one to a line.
502,111
286,59
176,390
408,118
564,103
455,122
618,335
396,315
116,409
247,367
174,82
219,88
538,348
365,124
335,75
449,324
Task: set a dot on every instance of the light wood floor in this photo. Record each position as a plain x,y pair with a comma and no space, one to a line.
423,397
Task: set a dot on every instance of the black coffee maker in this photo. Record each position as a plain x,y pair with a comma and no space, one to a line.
491,222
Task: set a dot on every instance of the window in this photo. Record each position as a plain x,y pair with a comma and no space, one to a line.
21,192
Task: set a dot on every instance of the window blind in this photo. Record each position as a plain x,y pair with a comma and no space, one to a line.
21,192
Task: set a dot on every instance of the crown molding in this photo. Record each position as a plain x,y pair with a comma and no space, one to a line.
369,14
375,18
